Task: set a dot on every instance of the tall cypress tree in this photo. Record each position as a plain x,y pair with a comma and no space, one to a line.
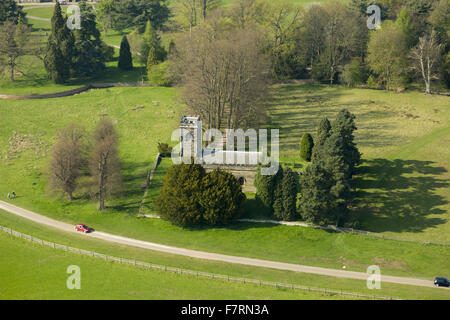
58,58
125,58
306,147
265,190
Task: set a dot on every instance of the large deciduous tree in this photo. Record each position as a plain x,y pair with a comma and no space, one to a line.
66,160
224,76
387,53
104,161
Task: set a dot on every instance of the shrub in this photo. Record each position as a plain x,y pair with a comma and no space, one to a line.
306,147
372,83
354,73
164,149
158,75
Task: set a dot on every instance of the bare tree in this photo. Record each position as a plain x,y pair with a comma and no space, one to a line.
426,57
66,160
224,76
104,160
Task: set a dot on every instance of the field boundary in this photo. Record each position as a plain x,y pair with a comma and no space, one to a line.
214,276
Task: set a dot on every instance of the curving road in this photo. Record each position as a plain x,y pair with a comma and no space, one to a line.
208,255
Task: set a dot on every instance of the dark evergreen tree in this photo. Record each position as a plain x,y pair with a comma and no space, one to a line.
11,11
316,199
344,126
306,147
289,191
222,199
264,190
60,48
136,13
323,132
88,60
277,207
125,58
179,200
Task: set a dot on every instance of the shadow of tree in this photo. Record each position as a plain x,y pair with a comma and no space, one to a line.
399,195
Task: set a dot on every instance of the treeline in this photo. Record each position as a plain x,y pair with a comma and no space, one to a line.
85,162
323,193
331,42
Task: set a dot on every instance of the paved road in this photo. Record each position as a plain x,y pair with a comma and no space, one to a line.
208,255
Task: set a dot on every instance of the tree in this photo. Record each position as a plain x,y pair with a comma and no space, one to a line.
125,58
66,160
11,11
16,41
189,12
136,13
151,40
315,201
354,73
325,185
344,126
426,57
404,24
88,58
387,52
104,160
222,199
344,38
265,187
179,200
60,49
323,132
285,204
224,76
106,10
306,146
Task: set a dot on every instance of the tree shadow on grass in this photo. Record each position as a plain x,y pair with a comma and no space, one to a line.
400,195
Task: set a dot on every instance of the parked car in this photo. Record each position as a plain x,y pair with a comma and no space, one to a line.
441,282
82,228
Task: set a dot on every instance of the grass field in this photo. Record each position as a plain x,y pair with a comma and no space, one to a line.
316,281
42,275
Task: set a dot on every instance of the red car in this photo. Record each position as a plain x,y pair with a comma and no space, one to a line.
82,228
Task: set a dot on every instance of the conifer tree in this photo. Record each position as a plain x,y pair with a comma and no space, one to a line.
125,58
151,41
58,58
306,146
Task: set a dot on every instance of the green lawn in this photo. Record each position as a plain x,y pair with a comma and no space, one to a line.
35,272
304,279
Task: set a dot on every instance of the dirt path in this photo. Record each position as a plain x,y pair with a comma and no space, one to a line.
208,255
